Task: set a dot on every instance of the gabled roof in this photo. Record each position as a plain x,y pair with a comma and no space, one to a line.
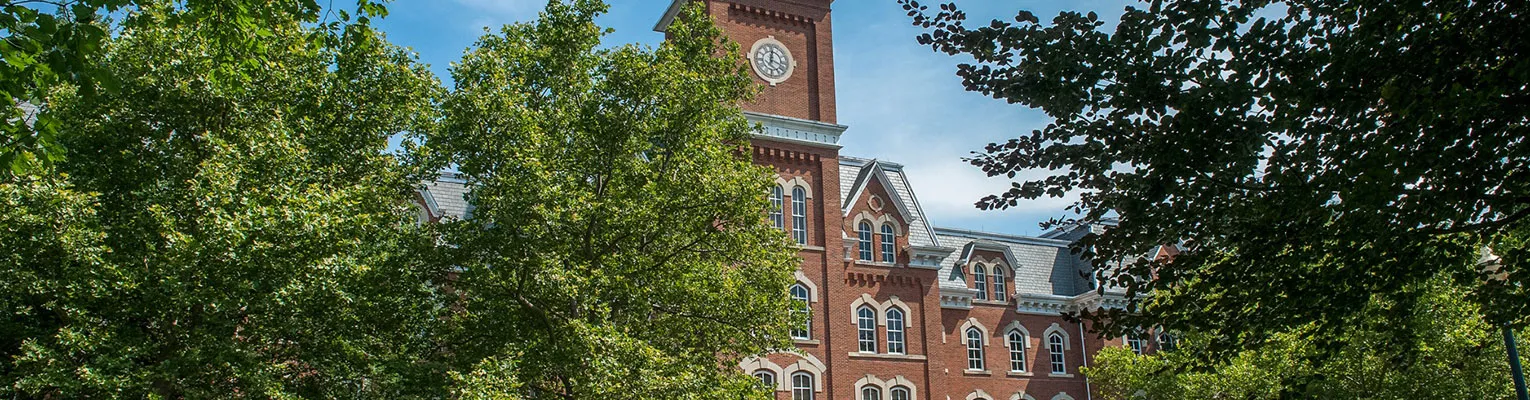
669,15
873,170
856,173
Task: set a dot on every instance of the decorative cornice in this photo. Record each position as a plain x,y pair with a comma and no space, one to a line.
796,130
785,156
775,15
927,257
956,298
1047,304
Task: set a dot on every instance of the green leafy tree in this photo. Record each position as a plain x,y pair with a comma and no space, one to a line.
45,51
1310,154
225,230
1459,356
617,246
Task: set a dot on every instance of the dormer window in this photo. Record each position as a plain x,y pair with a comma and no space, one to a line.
888,244
980,281
998,283
864,232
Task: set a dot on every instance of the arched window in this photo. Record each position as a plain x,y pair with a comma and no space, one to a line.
998,283
974,349
800,295
766,378
980,281
799,215
1135,341
895,331
888,245
1055,344
802,386
776,202
1166,342
863,231
1016,351
866,327
869,392
902,393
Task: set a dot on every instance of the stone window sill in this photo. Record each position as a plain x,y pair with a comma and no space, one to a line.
865,263
810,248
990,303
1019,374
806,341
977,372
887,356
1060,375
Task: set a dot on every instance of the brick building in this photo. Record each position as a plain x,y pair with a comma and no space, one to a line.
900,309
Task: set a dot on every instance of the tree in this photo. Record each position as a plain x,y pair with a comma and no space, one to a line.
46,51
618,246
1460,356
225,234
1309,154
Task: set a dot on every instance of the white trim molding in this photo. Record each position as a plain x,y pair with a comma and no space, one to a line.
927,257
806,363
972,322
1055,328
752,364
788,184
881,309
1051,304
886,385
796,130
808,283
1017,326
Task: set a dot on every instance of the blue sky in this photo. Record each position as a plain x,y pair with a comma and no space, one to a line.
902,102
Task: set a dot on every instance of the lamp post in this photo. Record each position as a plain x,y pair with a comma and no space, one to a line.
1493,269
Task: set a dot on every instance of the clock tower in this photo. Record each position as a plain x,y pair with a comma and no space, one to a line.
788,46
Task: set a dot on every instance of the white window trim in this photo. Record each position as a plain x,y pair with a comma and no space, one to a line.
902,330
886,385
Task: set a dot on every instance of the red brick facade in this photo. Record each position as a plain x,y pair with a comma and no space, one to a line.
931,279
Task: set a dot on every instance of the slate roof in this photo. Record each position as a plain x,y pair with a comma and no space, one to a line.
1041,265
447,196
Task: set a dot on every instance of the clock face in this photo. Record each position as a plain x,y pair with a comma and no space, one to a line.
771,60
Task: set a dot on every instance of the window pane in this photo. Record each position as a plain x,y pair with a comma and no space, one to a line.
998,284
888,244
869,392
776,217
799,215
1059,363
802,386
800,295
863,232
1136,342
980,281
901,393
766,378
974,349
867,329
895,331
1016,351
